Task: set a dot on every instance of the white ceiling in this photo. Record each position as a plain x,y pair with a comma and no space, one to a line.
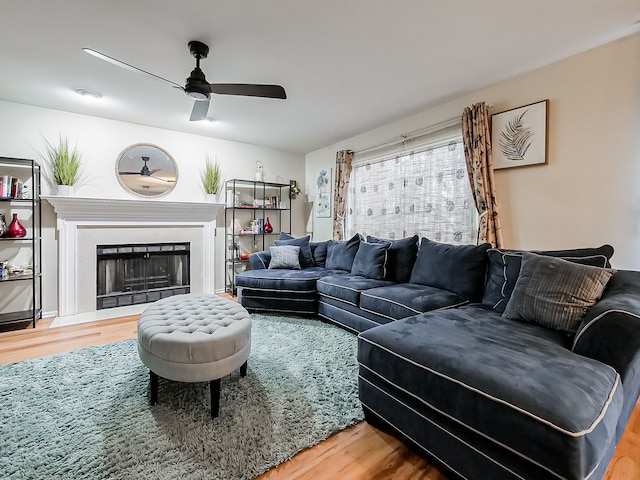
347,65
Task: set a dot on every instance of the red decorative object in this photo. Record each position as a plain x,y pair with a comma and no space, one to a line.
15,229
267,227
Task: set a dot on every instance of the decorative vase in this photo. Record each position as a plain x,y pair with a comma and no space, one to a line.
15,229
3,225
66,190
267,227
211,197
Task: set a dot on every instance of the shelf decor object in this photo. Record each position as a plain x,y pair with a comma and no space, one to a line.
15,228
519,136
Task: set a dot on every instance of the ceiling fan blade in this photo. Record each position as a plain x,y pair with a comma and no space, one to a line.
124,65
129,173
200,110
155,170
249,90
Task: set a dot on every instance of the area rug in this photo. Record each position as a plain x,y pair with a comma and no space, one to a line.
86,413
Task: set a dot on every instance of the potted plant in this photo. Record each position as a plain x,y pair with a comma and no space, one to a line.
211,178
63,166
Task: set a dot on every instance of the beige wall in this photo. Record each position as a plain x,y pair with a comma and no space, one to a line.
22,128
589,193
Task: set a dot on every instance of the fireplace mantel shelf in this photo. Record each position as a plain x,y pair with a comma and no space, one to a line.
78,209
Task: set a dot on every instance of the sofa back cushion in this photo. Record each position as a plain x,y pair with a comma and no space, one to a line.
306,260
555,293
340,255
401,257
457,268
371,260
504,268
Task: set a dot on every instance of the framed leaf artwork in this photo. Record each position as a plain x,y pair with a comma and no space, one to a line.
519,136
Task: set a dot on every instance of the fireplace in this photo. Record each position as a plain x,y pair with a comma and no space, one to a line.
141,273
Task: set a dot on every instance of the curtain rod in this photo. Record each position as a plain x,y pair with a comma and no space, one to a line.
408,136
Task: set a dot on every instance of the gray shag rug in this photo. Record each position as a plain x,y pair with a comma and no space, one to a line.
86,414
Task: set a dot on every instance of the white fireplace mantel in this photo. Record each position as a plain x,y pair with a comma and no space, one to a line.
76,213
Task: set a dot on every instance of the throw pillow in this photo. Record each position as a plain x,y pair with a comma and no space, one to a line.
504,268
370,260
458,268
401,257
319,252
285,256
306,260
554,292
340,255
260,260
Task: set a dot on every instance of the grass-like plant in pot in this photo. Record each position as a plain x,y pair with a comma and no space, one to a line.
211,178
63,165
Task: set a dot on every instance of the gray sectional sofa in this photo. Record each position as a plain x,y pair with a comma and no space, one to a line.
495,363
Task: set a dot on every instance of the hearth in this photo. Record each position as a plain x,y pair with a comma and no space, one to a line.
131,274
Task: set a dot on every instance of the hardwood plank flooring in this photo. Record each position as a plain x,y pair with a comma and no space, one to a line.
361,452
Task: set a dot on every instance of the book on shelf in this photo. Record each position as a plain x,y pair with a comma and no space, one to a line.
10,187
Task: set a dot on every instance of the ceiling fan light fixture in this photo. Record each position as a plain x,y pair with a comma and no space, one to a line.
198,92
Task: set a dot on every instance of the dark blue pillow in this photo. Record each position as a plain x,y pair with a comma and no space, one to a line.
319,252
370,260
260,260
458,268
340,255
306,260
401,257
504,269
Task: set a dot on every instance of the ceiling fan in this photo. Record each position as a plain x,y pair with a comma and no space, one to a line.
145,172
196,85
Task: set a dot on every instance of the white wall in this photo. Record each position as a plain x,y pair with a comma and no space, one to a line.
589,193
100,141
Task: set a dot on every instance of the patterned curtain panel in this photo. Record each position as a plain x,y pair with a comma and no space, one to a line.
424,192
477,150
343,173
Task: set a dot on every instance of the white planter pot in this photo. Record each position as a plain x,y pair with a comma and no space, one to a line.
212,197
66,190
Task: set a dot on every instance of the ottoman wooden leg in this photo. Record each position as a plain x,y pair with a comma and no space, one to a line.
154,387
214,386
243,369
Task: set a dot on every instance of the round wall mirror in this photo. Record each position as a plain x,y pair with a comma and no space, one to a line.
146,170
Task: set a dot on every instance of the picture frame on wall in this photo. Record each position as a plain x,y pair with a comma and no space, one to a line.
519,136
323,193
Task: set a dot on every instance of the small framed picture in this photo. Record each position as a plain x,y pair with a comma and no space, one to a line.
519,136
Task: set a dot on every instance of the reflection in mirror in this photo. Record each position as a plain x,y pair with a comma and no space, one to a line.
146,170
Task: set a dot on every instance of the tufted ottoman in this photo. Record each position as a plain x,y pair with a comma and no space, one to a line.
194,338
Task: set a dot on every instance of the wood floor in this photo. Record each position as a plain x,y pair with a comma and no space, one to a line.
357,453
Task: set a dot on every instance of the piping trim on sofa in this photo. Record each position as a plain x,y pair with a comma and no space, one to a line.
594,320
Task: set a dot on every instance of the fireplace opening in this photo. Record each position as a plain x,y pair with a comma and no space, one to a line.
142,273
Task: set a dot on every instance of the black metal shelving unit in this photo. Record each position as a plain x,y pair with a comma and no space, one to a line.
246,201
29,212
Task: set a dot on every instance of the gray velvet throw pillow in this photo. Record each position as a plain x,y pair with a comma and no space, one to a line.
285,256
555,293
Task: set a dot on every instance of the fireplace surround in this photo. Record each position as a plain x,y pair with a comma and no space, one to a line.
84,223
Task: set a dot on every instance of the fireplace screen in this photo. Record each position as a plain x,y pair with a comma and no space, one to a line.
134,274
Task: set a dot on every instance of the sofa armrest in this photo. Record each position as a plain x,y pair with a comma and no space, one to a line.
260,260
610,332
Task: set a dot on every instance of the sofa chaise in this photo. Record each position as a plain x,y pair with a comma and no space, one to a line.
495,363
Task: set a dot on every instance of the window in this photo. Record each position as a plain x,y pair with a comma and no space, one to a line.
425,192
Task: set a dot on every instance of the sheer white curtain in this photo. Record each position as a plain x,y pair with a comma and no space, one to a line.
424,191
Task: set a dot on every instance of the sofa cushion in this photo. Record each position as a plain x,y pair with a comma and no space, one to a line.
371,260
555,293
285,256
406,299
260,260
401,257
277,280
458,268
511,382
504,268
340,255
306,260
347,287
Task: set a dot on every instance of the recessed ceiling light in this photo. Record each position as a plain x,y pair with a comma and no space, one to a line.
88,93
